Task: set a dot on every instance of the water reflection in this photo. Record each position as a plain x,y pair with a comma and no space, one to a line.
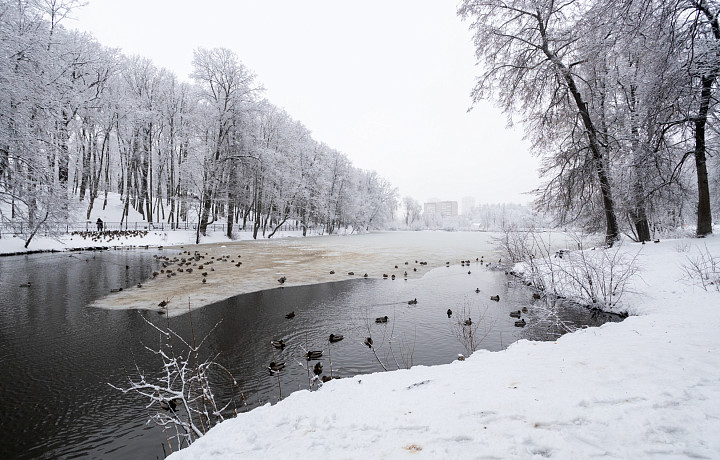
58,354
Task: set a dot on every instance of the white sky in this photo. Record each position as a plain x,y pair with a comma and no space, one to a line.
385,82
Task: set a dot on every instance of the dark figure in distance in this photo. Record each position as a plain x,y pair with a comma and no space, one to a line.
99,224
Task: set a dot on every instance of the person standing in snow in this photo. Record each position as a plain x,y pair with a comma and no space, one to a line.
99,224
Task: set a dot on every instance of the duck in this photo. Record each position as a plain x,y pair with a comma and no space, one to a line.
313,354
26,284
282,280
365,275
279,344
317,369
382,319
536,296
496,298
449,313
477,290
327,378
468,322
335,338
412,302
520,323
469,272
393,276
332,272
290,315
169,404
515,314
351,273
274,367
368,342
524,309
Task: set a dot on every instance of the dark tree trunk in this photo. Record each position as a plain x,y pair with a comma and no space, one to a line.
206,208
230,216
642,227
704,212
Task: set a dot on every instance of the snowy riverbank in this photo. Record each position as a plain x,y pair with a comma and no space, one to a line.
643,388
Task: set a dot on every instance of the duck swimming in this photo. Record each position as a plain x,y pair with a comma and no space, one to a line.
335,338
279,344
313,354
290,315
274,367
412,302
520,323
515,314
382,319
368,342
496,298
468,322
449,313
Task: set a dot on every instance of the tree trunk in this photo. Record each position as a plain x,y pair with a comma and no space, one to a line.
704,212
230,216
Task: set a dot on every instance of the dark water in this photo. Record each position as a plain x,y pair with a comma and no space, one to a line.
57,355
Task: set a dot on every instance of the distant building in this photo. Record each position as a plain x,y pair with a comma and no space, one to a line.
468,203
443,208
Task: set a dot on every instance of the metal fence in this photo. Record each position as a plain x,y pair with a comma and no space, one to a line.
22,228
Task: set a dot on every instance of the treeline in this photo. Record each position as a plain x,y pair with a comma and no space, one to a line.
79,120
619,98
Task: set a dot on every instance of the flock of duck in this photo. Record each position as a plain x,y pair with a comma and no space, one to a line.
276,366
107,236
311,355
188,262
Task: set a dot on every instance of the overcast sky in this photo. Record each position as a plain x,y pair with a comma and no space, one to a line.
386,82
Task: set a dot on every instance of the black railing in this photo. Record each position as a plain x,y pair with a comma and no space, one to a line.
22,228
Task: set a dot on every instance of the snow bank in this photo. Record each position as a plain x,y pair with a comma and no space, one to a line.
643,388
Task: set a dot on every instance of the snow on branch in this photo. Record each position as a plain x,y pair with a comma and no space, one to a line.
180,396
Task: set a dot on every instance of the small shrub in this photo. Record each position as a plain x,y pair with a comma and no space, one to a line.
703,270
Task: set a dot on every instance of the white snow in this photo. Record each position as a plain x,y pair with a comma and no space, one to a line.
647,387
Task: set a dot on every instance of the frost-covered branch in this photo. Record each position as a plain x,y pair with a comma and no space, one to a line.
181,397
